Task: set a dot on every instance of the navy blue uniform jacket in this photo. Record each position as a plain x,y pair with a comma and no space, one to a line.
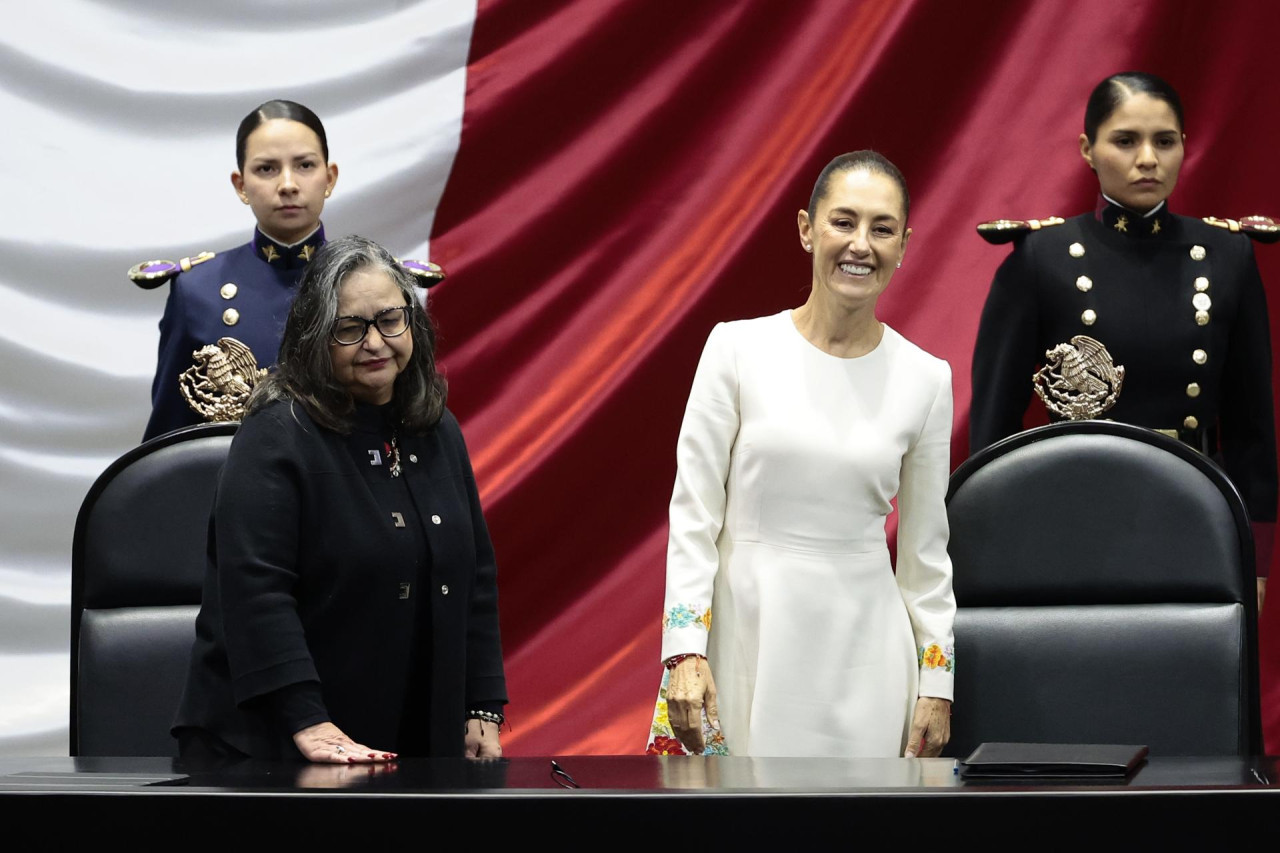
264,276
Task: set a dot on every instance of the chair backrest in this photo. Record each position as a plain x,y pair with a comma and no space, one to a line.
1104,585
138,561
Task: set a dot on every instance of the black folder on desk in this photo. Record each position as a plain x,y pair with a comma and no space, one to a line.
1053,760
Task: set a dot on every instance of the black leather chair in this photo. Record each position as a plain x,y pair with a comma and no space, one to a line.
1104,580
138,560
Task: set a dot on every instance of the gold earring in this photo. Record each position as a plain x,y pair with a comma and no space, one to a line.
244,198
327,193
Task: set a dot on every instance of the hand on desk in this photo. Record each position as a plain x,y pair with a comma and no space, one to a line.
482,740
930,728
689,689
324,743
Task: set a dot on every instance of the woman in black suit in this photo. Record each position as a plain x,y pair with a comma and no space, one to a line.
1177,302
350,608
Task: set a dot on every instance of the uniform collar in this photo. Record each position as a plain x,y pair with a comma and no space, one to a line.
1137,226
284,256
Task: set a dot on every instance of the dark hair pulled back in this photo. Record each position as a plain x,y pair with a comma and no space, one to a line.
1118,88
278,109
872,161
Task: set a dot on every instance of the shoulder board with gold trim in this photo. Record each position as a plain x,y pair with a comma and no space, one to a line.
427,273
151,274
1263,229
999,231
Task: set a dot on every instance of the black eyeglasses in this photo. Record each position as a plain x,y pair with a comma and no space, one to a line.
391,323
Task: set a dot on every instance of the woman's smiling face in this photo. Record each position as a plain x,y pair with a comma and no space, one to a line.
858,236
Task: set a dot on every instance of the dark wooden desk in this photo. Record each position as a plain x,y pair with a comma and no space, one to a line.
637,798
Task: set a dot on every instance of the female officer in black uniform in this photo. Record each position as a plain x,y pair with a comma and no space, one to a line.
1177,301
284,175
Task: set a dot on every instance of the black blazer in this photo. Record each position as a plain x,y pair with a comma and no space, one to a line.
305,584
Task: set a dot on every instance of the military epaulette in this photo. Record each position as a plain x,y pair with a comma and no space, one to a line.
1263,229
999,231
427,273
151,274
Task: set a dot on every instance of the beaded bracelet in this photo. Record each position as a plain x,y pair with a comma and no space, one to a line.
487,717
674,660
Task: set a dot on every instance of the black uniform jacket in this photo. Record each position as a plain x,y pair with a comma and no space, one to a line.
306,583
1176,301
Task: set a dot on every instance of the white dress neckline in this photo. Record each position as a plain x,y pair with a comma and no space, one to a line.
871,355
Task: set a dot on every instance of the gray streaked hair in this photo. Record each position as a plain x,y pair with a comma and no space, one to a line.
304,373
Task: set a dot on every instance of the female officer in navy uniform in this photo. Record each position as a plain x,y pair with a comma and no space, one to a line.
283,173
1177,301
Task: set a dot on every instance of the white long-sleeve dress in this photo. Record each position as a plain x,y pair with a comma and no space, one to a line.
788,459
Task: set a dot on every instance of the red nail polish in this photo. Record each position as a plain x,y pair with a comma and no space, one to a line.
374,756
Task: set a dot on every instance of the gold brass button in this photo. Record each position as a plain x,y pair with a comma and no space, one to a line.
1190,422
1089,317
231,316
1202,284
1199,356
1193,389
1201,301
1075,250
1084,284
1202,318
1197,253
228,290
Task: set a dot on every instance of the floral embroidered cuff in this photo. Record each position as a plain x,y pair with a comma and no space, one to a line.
935,656
685,629
686,616
937,670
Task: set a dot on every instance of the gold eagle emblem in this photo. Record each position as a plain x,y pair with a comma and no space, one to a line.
1079,380
218,385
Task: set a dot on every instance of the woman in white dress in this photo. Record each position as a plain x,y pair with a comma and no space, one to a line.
800,429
